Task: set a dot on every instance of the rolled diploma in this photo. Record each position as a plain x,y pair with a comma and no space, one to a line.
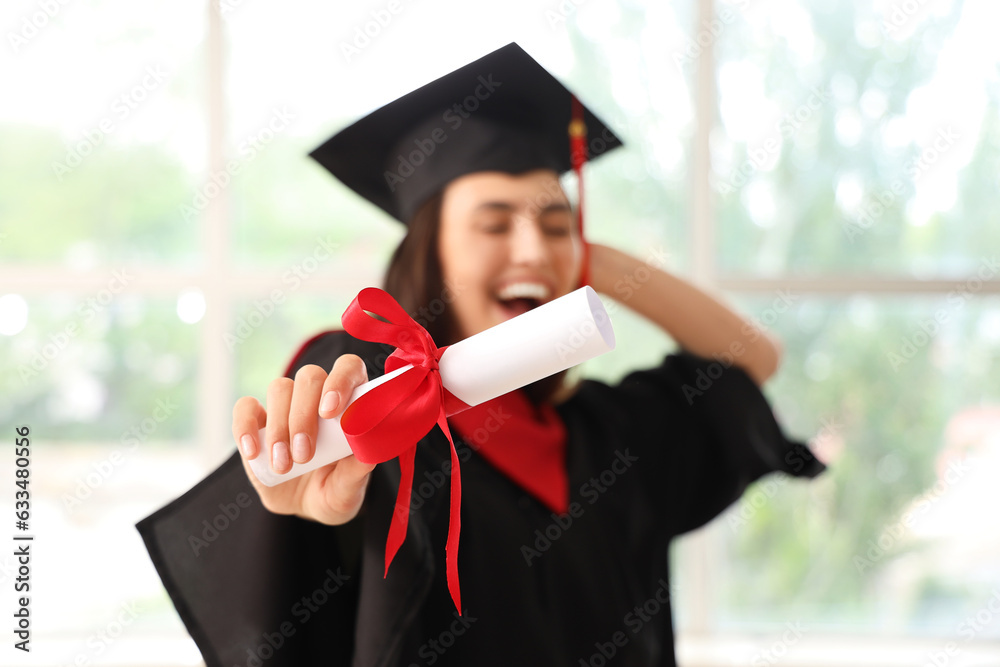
541,342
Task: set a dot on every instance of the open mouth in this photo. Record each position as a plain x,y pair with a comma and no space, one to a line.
515,307
518,298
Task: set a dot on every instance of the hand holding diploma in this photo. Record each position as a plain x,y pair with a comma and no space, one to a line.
297,424
422,386
331,494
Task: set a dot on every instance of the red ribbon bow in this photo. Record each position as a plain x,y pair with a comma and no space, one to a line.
388,421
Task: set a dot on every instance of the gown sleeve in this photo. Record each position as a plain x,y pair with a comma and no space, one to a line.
249,583
703,432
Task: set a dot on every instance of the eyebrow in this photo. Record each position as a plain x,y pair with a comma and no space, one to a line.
507,207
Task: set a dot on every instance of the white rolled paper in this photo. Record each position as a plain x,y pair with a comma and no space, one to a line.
541,342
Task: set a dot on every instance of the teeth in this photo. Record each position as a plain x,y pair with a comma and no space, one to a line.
524,291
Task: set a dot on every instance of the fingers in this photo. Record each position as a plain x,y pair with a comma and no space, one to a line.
332,494
347,373
249,417
258,487
279,401
302,415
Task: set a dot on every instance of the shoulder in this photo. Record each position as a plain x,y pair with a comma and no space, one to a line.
691,399
679,375
324,348
683,394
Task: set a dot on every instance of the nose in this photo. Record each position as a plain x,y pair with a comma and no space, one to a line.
528,243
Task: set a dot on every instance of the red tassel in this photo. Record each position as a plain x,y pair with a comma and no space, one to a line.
578,157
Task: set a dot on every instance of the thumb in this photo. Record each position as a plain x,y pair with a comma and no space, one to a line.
346,486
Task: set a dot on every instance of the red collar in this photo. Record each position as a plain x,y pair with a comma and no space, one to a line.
527,443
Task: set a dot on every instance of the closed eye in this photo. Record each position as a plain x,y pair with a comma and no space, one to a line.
557,220
494,226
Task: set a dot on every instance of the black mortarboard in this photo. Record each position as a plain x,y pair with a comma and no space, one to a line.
503,112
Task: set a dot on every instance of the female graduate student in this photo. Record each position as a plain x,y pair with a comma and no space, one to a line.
571,491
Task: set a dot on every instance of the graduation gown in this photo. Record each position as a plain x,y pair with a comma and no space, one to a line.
660,453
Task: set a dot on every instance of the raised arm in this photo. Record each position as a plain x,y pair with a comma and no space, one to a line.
700,323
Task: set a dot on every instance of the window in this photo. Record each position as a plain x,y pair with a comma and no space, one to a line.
829,167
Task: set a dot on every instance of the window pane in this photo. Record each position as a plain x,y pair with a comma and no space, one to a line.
631,66
105,367
262,352
900,396
857,138
102,132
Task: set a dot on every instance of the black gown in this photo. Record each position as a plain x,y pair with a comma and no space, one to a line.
659,454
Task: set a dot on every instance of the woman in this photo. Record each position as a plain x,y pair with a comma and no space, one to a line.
571,492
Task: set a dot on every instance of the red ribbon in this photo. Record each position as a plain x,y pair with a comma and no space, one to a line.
388,421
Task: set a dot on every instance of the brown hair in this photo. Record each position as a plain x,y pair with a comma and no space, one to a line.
415,280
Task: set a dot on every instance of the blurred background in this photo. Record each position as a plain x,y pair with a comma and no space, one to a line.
832,169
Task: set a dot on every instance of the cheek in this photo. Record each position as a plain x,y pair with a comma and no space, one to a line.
453,254
472,263
568,256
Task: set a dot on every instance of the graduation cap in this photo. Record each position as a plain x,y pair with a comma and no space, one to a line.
503,112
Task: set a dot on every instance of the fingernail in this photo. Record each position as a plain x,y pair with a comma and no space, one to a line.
247,444
300,447
330,401
279,457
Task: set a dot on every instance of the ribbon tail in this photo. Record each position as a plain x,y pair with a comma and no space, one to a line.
401,513
454,519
